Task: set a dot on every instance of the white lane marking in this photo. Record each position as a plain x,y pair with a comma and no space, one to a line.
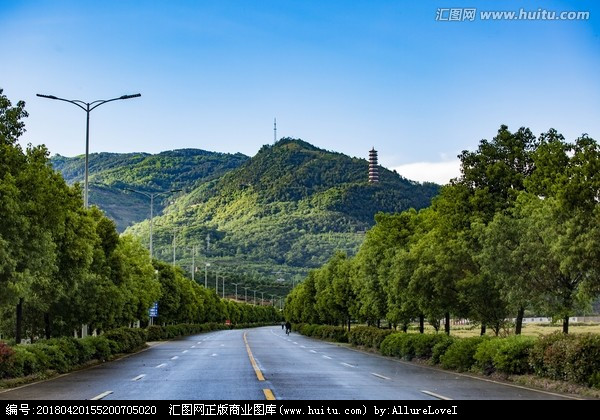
161,365
185,351
193,347
347,364
137,378
99,397
312,351
199,342
438,396
222,345
174,357
303,347
295,342
381,376
214,354
326,357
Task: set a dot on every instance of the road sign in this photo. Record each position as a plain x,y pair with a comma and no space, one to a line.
153,311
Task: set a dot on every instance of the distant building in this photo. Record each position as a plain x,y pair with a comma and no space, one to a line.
373,167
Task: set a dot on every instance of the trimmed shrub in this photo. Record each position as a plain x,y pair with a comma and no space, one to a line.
484,355
460,354
584,360
126,340
368,336
440,347
548,355
100,346
155,333
512,356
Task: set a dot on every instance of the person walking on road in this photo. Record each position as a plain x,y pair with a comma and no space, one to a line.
288,327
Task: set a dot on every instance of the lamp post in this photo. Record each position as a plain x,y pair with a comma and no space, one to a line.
174,247
88,107
254,297
193,260
151,197
224,287
236,285
206,265
262,298
272,300
246,294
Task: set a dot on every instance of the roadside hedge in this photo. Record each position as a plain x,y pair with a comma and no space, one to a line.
574,358
568,357
368,336
67,353
324,332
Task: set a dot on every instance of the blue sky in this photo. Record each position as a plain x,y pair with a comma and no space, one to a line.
343,75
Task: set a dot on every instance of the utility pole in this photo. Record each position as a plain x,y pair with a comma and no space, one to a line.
236,285
193,261
174,231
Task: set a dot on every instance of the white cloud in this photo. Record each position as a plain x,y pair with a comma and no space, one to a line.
438,172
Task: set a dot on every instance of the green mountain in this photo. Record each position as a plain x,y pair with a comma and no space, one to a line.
280,213
112,173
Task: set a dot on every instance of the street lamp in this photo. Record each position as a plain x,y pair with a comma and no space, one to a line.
88,107
206,265
224,287
246,294
254,297
151,196
272,300
236,285
262,298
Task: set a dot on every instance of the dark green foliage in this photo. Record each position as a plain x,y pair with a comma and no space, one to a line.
291,206
324,332
460,355
507,355
100,345
568,357
112,173
440,348
368,336
126,340
408,346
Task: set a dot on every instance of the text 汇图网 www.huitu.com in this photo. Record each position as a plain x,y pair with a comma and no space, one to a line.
463,14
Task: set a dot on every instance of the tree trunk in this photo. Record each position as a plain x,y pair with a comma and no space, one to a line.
447,323
519,323
349,323
482,330
404,327
566,324
47,325
421,323
19,321
378,323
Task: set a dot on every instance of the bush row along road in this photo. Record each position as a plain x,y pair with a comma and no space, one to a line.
218,366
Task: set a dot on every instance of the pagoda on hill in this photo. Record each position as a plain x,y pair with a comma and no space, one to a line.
373,167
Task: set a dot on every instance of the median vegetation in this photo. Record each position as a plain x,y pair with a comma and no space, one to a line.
574,358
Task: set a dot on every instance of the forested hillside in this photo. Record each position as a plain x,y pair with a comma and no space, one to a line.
282,212
112,173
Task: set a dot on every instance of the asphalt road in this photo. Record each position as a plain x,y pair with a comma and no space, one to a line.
230,364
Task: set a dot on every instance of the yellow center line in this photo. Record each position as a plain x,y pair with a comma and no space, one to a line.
269,394
259,374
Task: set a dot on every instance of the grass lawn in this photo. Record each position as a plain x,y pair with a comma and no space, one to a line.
528,329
